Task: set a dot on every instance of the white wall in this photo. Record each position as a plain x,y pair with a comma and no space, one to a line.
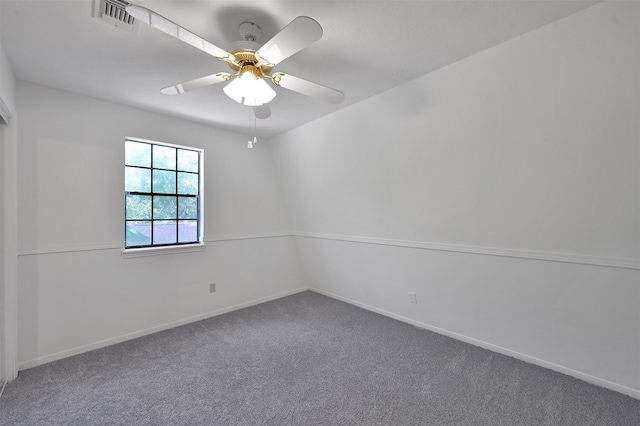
3,309
8,194
7,82
503,189
76,291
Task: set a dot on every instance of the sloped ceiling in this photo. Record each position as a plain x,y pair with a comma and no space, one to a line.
368,47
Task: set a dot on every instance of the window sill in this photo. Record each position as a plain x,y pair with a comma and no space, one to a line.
159,251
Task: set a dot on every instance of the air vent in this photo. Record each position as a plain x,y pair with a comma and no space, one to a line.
112,12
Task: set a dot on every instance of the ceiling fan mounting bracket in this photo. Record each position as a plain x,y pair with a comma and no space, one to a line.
250,31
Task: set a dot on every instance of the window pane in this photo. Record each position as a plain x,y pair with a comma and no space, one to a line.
187,183
164,182
162,194
138,207
188,231
187,160
138,234
187,208
164,207
164,157
137,180
137,154
164,232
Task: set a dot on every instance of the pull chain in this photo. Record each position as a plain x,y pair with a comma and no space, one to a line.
251,143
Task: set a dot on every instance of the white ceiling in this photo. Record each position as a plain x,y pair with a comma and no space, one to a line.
367,47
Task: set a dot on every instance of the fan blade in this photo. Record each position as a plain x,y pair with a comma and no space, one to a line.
308,88
262,111
300,33
196,84
161,23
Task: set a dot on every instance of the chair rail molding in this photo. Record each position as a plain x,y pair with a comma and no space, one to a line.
626,263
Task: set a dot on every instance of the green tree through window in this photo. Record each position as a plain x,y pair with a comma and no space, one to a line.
162,194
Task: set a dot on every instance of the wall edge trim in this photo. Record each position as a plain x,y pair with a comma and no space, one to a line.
140,333
625,263
634,393
233,237
5,114
119,245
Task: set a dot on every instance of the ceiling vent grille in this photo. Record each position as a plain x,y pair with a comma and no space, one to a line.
113,13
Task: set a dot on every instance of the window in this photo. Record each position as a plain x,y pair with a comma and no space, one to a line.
162,194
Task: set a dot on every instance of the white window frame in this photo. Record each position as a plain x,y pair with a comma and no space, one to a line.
171,248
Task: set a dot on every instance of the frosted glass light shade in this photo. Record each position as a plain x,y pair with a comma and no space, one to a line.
248,90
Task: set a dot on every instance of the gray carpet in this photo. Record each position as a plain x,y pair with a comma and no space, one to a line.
304,360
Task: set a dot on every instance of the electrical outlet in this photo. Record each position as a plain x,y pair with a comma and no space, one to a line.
412,297
212,288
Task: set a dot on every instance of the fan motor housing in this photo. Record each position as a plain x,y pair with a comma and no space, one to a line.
247,58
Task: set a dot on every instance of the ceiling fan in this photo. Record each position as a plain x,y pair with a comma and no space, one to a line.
250,62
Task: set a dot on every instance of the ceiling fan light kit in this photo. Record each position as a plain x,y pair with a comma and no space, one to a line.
249,89
250,62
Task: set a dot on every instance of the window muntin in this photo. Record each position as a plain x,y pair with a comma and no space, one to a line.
162,194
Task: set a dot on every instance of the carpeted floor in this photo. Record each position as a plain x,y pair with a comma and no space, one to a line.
304,360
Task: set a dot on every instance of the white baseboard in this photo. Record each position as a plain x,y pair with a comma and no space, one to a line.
635,393
129,336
